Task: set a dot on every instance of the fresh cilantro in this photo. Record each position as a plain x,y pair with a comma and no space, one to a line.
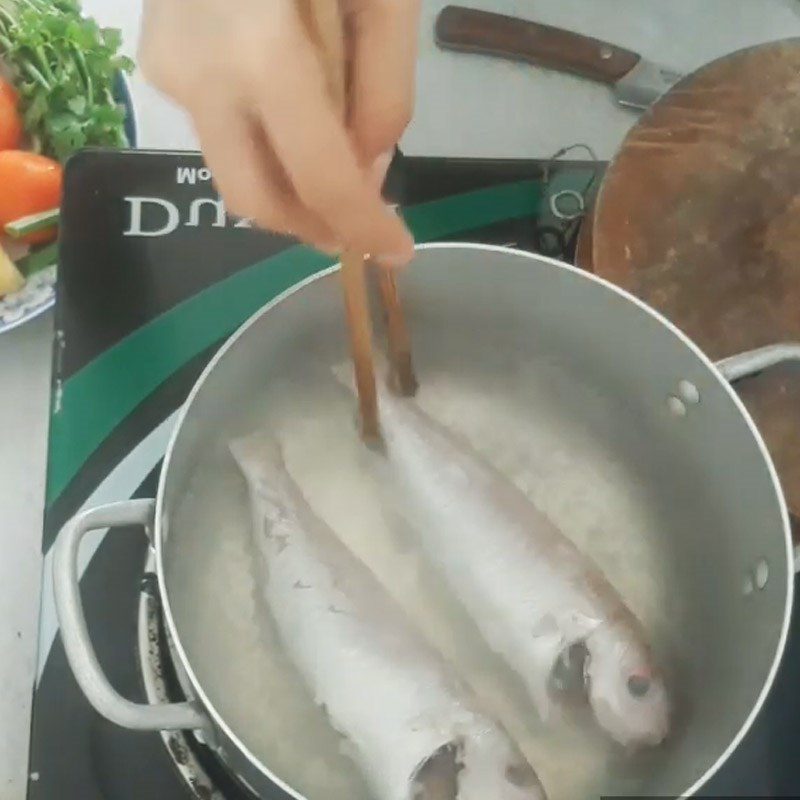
64,67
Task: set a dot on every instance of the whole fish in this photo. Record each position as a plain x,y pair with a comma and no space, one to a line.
412,727
531,592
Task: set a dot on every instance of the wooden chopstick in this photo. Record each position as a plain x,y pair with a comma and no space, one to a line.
403,380
325,25
360,327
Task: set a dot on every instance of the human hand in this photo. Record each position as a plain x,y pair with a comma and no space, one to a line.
253,81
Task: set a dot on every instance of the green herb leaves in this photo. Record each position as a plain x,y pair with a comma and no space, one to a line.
64,68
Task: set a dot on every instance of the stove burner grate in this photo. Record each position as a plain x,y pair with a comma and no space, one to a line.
201,771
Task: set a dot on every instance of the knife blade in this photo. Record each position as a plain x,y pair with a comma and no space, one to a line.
636,81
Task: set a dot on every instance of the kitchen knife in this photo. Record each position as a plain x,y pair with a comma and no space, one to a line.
636,82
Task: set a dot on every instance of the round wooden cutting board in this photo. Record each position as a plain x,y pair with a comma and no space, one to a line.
699,215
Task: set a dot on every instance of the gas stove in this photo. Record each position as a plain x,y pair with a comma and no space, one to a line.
154,277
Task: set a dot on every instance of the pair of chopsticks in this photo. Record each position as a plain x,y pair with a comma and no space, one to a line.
325,25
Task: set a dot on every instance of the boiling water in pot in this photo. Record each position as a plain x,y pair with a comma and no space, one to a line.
534,419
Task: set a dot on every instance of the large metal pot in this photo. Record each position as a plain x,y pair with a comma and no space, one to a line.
716,499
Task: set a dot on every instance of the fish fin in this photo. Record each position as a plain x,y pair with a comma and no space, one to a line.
260,458
585,624
547,649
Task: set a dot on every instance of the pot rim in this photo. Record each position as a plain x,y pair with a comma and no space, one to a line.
217,719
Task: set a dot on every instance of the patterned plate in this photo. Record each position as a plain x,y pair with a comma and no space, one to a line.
34,298
39,292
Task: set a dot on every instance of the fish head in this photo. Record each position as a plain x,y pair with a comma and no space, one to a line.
625,687
493,766
484,765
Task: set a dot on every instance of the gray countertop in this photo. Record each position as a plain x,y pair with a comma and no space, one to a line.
467,106
24,400
486,107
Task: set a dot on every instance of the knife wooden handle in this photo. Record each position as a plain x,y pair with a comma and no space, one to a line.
473,31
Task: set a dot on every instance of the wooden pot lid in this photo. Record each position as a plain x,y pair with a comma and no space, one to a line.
699,215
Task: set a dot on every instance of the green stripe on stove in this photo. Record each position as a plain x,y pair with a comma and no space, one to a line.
98,397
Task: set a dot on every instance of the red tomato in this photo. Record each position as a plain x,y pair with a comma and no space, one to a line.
7,89
29,184
10,119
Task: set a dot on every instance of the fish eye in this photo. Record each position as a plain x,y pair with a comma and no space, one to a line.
638,685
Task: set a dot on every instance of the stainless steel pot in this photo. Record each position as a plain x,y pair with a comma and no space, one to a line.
713,487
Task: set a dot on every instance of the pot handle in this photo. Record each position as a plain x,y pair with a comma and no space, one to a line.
752,362
75,635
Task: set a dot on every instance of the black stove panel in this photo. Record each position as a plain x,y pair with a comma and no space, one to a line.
76,754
